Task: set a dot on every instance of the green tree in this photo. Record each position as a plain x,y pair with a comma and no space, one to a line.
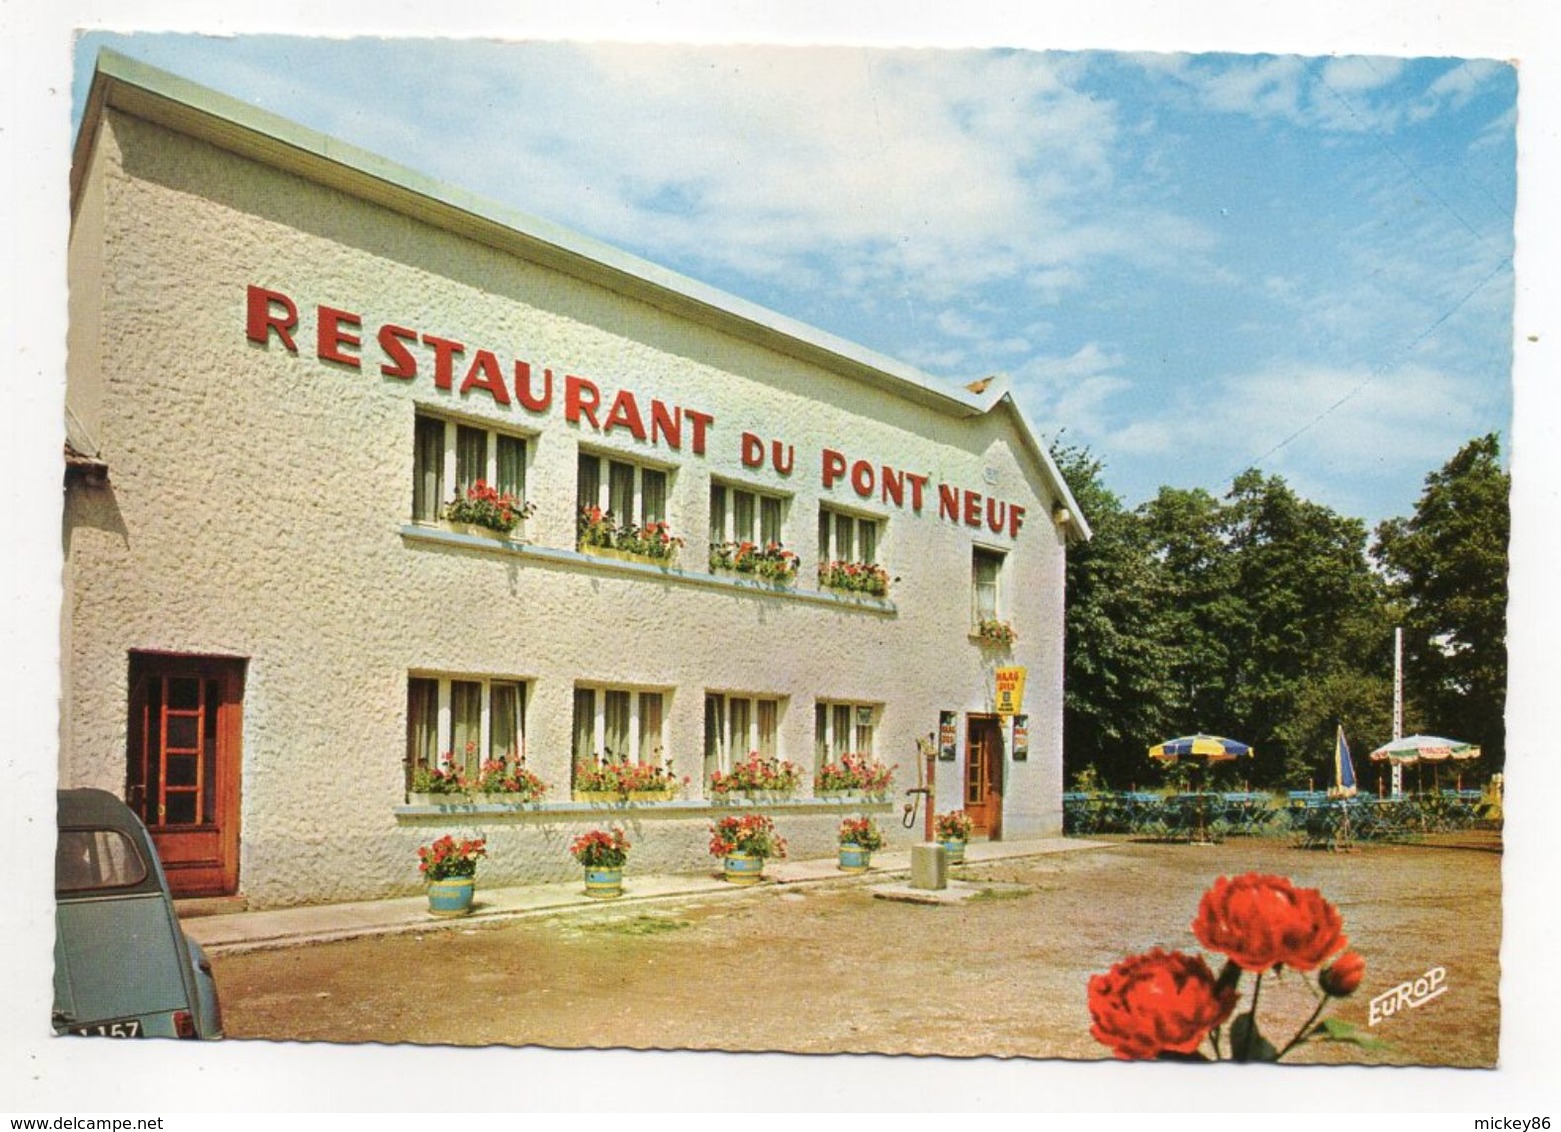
1311,612
1447,565
1182,532
1118,692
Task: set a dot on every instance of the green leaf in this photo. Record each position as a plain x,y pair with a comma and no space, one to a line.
1338,1030
1247,1044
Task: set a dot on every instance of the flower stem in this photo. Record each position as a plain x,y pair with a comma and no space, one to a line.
1300,1035
1246,1046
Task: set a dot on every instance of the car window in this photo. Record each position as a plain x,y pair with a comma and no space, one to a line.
96,858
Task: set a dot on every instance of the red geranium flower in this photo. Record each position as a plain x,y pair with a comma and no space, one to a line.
1159,1002
1265,921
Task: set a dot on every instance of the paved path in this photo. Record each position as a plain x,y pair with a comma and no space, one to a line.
286,927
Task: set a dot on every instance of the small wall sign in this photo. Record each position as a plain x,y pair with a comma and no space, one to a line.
1010,690
1021,746
948,735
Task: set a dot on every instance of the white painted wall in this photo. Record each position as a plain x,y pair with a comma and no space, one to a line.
257,502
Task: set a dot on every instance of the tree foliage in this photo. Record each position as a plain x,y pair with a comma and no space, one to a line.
1447,566
1119,641
1261,616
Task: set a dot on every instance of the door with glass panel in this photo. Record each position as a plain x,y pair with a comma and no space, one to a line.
184,760
984,774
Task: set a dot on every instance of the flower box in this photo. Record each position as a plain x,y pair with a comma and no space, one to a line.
852,795
614,554
624,795
484,510
728,797
757,777
597,533
994,634
857,774
466,801
754,581
477,530
771,566
857,580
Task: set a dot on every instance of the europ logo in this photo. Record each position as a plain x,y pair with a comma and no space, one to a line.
1408,994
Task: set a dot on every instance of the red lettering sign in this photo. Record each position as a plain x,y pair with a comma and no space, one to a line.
699,421
666,424
261,321
834,466
523,388
893,487
996,514
972,508
862,478
403,364
581,399
625,413
948,502
332,336
485,373
445,350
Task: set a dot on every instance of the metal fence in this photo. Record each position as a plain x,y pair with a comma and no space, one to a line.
1309,817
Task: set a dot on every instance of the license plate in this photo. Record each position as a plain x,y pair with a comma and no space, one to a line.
127,1029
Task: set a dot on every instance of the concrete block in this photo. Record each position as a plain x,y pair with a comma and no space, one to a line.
929,867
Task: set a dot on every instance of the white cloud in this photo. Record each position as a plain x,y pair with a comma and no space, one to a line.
1356,73
1262,88
1353,94
904,171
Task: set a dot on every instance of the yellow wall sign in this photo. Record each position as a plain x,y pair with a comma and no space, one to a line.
1010,690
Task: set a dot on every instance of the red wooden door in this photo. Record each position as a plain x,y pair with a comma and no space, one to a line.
984,774
184,762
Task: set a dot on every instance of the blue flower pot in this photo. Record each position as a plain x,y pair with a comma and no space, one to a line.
955,849
604,883
743,868
451,897
855,859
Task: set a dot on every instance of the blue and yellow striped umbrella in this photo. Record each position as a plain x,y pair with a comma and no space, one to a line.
1210,747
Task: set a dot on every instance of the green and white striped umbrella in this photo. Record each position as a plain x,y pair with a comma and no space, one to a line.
1424,748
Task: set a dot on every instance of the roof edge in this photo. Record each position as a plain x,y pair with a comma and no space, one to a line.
150,93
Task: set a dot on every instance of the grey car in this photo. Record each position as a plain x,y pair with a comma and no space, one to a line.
123,968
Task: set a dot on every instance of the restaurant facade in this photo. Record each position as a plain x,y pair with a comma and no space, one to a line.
733,535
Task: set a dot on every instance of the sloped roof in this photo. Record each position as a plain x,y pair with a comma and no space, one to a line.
221,120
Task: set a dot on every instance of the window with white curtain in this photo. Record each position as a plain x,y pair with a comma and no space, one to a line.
740,514
449,456
465,720
619,725
842,728
986,571
843,537
634,493
737,725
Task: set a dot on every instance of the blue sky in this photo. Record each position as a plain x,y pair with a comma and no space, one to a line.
1191,264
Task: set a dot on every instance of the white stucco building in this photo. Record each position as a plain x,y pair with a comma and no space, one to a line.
286,354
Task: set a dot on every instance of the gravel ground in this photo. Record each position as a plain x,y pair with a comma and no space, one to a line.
829,968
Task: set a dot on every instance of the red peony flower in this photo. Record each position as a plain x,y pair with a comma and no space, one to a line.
1264,921
1159,1002
1343,975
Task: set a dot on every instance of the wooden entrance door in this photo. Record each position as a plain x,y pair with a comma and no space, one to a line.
184,762
984,774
